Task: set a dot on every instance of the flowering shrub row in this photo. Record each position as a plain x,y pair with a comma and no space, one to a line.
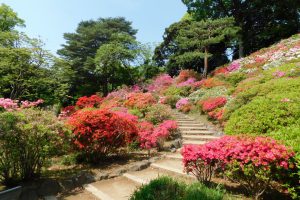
89,102
10,105
140,100
253,162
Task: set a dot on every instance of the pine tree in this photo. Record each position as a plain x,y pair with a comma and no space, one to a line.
200,35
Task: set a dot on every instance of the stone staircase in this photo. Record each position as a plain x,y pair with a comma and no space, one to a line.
120,188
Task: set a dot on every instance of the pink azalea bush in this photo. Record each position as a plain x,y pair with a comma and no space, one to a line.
251,161
187,83
234,66
182,102
10,105
150,136
160,82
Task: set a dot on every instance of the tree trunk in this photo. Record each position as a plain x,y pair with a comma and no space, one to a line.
241,49
205,62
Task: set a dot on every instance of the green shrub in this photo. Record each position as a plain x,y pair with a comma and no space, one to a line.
136,112
235,78
166,188
172,100
163,188
199,191
290,136
268,89
265,114
158,113
178,91
27,139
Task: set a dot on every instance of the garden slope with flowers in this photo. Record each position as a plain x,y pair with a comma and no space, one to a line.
255,98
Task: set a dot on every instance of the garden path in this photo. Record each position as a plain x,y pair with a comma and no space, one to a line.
193,131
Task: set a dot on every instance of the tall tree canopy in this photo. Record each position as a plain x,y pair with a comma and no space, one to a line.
262,22
81,48
196,39
184,41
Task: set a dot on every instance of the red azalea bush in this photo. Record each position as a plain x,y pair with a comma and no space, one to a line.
140,100
89,102
216,114
251,161
213,103
100,132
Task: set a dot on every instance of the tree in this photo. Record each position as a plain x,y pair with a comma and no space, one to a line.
9,19
172,51
262,22
114,60
81,48
200,35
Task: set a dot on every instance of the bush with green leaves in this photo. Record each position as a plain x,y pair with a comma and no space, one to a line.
265,114
158,113
288,86
166,188
28,137
234,78
171,100
178,91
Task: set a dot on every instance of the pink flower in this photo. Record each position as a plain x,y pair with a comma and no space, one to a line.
182,102
234,66
279,74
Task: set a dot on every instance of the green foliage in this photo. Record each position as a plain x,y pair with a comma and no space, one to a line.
9,19
27,139
290,136
158,113
136,112
163,188
265,114
81,48
257,89
171,100
196,38
166,188
282,21
178,91
235,78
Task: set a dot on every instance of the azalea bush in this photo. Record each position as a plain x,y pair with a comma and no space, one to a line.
28,138
265,114
204,93
158,113
160,82
171,100
212,103
184,105
140,100
252,162
89,102
151,136
183,91
102,132
11,105
188,74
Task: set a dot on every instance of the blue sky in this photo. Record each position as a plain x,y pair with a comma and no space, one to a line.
49,19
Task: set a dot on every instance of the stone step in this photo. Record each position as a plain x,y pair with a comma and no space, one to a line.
119,188
198,132
200,137
171,165
176,156
187,128
146,175
195,142
191,123
80,195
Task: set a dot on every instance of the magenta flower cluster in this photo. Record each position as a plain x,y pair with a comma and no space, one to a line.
10,105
